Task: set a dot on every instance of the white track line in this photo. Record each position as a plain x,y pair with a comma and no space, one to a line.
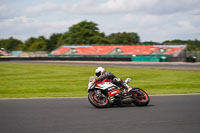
177,94
86,97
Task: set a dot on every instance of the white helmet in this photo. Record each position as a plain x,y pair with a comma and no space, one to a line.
99,71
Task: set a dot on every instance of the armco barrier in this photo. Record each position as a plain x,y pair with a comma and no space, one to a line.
182,59
65,59
138,58
102,56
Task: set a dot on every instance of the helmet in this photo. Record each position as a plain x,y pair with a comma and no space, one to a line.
99,71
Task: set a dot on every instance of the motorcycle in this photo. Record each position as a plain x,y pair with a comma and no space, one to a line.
102,94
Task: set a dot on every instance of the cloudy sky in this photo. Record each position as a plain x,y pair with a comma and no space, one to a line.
153,20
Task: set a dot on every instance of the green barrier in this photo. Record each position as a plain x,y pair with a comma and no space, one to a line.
146,59
150,58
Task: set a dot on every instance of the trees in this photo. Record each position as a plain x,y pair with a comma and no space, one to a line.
27,44
124,38
175,42
84,33
10,44
36,44
53,41
99,40
150,43
191,44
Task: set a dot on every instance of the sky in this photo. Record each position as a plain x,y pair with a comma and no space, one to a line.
152,20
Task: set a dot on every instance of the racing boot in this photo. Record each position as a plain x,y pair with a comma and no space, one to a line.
126,87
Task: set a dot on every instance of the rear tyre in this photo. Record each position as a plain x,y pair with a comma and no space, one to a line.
141,98
96,101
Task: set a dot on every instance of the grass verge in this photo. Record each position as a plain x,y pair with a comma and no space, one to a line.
41,80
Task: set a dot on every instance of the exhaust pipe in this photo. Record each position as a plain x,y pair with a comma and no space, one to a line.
127,100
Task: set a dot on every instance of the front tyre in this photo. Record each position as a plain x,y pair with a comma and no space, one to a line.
141,98
98,101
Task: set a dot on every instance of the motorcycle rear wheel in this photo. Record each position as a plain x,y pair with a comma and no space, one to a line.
141,98
98,102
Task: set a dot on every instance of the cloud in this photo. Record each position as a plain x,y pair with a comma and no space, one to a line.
135,6
23,27
46,8
99,7
6,12
161,27
151,19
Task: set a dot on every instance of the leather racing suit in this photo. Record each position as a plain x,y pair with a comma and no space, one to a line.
112,77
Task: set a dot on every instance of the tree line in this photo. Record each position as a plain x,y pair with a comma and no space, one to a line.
85,33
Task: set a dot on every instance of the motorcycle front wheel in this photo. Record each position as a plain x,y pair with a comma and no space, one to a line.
141,98
98,101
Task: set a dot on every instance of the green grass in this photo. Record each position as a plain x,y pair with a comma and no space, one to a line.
38,80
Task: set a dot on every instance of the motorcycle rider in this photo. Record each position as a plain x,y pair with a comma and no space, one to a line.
102,74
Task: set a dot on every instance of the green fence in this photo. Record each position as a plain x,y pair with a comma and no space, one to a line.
150,58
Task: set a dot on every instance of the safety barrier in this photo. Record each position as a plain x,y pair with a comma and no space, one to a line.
150,58
138,58
65,59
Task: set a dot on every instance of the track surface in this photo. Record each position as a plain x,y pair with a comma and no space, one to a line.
165,114
156,65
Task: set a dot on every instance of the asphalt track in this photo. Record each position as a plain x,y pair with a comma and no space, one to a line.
165,114
154,65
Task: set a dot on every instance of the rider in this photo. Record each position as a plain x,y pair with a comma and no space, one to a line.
102,74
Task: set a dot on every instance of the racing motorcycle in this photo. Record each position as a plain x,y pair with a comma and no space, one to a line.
102,94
